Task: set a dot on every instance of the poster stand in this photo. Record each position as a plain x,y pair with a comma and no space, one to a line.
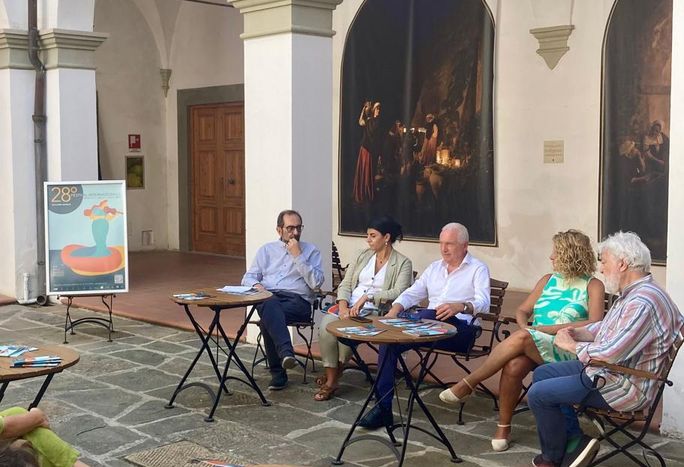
70,324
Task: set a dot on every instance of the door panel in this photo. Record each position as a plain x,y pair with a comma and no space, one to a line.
218,178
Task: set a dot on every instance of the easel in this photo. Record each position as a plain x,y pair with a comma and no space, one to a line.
70,324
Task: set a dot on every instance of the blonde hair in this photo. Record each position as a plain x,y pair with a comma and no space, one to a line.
574,255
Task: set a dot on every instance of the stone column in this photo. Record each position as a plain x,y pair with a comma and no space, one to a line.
17,185
71,103
70,107
673,399
288,118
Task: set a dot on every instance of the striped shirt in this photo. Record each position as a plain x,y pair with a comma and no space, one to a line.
637,332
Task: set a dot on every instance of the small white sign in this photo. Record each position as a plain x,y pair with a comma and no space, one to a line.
554,151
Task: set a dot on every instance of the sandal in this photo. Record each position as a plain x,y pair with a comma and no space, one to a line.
450,398
322,380
501,444
325,393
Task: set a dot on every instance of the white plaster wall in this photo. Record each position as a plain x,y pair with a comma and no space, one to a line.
131,101
210,55
672,423
531,104
13,14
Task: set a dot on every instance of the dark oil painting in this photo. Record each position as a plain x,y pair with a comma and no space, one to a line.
416,137
636,121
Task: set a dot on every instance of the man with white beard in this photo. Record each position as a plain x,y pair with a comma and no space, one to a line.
637,332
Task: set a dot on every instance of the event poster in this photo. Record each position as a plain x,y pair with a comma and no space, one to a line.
85,235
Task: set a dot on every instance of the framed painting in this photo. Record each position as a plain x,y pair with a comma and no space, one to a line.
416,136
85,235
635,146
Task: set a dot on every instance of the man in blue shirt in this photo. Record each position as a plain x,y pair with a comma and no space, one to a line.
291,270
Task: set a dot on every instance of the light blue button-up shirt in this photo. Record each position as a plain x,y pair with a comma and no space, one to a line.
276,269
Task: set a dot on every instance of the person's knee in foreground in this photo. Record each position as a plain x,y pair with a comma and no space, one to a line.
637,332
28,441
379,274
291,270
456,287
569,297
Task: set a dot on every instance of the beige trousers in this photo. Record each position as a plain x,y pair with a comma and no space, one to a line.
332,350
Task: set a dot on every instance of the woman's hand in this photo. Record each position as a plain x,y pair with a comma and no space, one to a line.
343,311
354,311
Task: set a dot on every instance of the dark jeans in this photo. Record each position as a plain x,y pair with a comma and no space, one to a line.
275,313
555,388
461,342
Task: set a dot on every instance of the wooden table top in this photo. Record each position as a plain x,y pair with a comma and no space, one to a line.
391,335
221,299
69,358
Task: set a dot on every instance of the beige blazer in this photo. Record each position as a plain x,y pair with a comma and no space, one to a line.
398,277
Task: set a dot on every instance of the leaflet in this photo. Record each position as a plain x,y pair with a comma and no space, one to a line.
15,350
422,332
361,330
238,290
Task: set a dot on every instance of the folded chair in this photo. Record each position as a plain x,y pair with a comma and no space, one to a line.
614,423
491,323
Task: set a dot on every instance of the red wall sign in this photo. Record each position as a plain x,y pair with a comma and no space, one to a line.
134,142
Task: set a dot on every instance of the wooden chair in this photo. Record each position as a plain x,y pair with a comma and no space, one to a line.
338,269
619,422
491,323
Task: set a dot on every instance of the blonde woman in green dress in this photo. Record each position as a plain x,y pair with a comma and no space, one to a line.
569,297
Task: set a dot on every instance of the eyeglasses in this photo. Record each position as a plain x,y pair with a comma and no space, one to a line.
292,228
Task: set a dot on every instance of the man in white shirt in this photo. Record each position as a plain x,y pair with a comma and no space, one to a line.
457,287
291,270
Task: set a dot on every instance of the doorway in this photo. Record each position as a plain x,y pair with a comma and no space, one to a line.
217,178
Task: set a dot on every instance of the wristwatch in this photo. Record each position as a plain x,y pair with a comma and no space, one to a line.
465,307
370,296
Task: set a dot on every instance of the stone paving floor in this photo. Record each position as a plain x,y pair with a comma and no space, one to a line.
111,405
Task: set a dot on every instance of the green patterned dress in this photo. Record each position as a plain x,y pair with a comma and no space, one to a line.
562,301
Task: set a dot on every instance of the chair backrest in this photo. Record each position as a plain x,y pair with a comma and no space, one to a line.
497,292
672,354
338,269
608,300
336,262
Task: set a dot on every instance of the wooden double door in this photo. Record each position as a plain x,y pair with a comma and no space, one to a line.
217,165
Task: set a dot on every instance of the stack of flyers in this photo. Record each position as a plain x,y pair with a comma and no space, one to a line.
407,323
14,350
191,296
238,290
426,331
369,330
36,362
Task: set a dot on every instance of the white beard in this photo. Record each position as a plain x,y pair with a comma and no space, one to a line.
612,284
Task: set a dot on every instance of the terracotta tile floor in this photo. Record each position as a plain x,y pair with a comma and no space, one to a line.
156,275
